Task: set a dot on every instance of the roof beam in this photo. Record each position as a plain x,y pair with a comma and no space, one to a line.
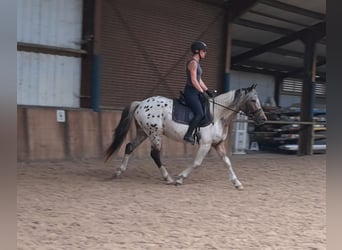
293,9
269,66
253,45
318,29
283,52
276,18
262,26
237,8
253,70
265,27
275,73
213,3
299,71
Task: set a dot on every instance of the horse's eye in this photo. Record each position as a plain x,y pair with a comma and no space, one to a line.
253,100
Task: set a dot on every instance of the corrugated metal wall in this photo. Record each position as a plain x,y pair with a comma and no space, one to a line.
50,22
265,83
48,79
145,46
291,91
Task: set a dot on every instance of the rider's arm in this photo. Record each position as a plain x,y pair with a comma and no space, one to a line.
203,86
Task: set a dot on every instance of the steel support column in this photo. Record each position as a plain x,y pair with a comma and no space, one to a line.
277,87
228,49
308,95
96,58
87,46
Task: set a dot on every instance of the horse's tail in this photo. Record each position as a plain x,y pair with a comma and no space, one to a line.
122,129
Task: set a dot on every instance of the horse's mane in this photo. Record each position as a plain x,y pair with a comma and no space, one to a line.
230,98
237,95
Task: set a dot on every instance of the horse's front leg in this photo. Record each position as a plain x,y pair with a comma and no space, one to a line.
155,154
201,153
221,150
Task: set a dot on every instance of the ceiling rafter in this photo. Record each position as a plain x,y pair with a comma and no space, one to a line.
219,4
236,8
298,71
288,29
262,26
276,18
279,71
247,68
279,51
317,28
269,66
283,70
265,27
293,9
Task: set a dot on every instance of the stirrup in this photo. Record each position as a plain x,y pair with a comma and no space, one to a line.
189,139
197,136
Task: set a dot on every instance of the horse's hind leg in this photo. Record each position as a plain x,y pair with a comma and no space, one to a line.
139,138
155,154
221,150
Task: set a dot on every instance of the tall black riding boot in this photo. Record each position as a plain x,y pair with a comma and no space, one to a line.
192,126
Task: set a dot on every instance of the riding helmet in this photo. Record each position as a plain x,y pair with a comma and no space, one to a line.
197,46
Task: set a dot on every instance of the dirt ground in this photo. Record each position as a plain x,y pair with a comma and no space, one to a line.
73,205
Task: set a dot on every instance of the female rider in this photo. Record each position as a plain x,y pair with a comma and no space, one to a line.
195,87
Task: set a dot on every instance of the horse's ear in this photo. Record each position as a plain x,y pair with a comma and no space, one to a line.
237,94
249,89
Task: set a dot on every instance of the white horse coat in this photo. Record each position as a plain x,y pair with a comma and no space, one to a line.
153,118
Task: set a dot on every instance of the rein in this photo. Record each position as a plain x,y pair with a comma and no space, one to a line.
218,104
236,111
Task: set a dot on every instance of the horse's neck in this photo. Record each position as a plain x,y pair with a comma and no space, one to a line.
226,109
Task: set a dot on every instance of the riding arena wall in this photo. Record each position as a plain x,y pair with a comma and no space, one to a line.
85,134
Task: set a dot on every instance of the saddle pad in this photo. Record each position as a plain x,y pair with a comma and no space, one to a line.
183,114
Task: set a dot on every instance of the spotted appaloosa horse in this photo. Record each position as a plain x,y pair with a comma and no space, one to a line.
153,119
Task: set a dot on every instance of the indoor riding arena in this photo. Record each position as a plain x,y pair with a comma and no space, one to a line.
75,205
99,78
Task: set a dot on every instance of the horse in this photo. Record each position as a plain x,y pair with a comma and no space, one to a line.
153,120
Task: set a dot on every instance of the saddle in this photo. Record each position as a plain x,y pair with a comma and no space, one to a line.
181,113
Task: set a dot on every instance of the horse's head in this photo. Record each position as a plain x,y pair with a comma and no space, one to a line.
250,104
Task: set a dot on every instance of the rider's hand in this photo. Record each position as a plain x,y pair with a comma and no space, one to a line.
205,95
210,93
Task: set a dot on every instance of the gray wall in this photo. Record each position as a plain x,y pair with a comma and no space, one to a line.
265,83
48,79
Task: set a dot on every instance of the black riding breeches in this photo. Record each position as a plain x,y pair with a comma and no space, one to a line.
193,100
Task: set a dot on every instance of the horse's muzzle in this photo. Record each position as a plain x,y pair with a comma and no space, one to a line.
260,118
260,121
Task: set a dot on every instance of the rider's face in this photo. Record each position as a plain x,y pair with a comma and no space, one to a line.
203,53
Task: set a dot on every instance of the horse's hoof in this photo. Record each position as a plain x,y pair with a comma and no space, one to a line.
114,176
237,184
179,182
170,181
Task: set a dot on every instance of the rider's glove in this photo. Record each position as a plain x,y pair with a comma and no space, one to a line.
210,93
